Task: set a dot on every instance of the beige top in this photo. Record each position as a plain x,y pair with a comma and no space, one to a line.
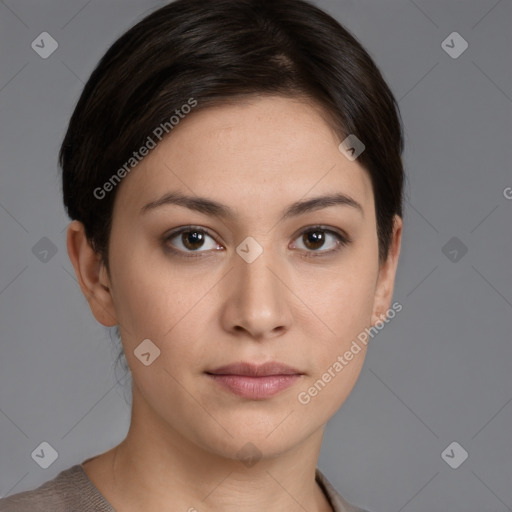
72,491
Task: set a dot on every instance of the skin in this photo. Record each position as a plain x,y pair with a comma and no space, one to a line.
257,157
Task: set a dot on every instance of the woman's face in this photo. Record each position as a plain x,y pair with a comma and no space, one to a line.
253,286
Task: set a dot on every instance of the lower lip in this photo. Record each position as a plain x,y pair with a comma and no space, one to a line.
255,388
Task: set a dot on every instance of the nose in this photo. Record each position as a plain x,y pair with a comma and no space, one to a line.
256,298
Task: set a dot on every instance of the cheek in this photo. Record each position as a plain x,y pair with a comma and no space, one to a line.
158,300
344,300
149,293
344,306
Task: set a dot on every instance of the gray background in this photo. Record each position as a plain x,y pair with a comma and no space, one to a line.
438,373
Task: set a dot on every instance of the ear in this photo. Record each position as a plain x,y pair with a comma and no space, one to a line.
91,274
387,272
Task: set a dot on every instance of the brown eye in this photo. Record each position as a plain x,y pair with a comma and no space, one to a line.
190,240
313,239
316,238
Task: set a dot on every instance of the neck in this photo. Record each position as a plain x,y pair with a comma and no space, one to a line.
157,469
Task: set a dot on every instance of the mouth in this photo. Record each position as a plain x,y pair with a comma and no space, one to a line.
255,382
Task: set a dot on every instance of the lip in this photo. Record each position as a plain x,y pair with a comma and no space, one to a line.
255,382
255,370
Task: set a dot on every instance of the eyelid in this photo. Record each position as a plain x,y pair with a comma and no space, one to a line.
342,240
188,254
322,227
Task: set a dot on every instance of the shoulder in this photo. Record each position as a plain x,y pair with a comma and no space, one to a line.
69,490
338,503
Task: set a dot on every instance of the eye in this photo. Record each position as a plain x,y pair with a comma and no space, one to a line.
318,237
191,239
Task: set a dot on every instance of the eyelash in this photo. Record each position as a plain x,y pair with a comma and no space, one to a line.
343,240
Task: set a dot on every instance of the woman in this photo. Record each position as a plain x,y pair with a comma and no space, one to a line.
234,178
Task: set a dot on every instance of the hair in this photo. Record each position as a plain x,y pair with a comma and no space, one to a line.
218,52
214,52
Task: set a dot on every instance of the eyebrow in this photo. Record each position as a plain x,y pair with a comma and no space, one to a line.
216,209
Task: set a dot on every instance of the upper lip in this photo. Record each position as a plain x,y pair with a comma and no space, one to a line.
255,370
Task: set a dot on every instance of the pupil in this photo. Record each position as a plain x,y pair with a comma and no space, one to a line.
190,238
314,239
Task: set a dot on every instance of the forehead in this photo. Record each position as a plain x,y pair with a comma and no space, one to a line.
260,153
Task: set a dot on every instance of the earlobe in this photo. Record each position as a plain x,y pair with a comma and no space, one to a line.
91,275
387,273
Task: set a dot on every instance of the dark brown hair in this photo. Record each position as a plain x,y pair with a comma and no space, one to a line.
215,51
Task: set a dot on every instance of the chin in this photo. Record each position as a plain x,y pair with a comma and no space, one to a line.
253,436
